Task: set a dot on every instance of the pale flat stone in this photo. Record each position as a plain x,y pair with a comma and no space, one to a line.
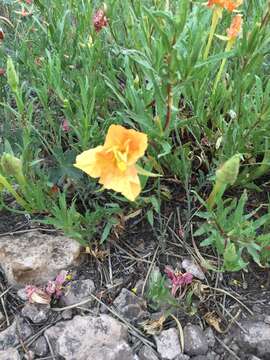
35,258
90,337
10,354
168,345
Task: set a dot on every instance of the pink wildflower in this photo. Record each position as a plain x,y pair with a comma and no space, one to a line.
100,20
56,287
37,295
178,279
65,126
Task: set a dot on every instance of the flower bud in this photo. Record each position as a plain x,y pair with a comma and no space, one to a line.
12,77
228,172
12,166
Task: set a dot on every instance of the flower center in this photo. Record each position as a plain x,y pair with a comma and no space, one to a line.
120,157
121,160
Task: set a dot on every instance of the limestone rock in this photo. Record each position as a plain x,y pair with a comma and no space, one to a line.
256,339
90,337
147,353
195,341
132,307
168,345
9,354
35,258
9,337
77,291
40,347
210,337
37,313
193,268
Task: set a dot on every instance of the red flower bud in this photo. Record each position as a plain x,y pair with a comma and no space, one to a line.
100,20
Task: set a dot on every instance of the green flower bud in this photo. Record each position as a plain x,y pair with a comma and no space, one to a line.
228,172
12,166
12,76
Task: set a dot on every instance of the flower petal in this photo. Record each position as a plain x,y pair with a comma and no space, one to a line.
128,183
126,140
88,162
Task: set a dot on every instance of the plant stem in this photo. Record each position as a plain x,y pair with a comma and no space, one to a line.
221,69
10,189
217,13
169,105
216,193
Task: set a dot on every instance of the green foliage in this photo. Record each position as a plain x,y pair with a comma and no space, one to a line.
235,235
145,70
159,295
83,228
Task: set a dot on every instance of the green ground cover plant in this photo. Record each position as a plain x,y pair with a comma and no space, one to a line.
190,78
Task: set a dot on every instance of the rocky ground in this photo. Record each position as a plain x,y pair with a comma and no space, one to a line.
101,316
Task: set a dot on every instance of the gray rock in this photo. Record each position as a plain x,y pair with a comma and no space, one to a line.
182,357
253,357
21,293
35,258
267,319
2,317
256,340
139,287
37,313
9,354
90,337
212,356
200,357
147,353
77,291
168,345
191,267
30,355
210,337
9,337
67,314
40,347
195,341
132,307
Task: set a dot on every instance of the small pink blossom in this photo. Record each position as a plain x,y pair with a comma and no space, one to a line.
65,125
178,280
56,287
37,295
52,289
100,20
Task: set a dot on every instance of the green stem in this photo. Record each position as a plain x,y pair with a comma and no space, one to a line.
10,189
221,69
217,13
217,192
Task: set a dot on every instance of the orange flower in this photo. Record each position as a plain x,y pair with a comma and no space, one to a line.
235,27
114,162
229,5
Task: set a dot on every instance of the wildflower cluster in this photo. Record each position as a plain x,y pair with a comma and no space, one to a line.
53,290
179,280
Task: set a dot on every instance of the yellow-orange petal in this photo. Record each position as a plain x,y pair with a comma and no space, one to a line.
235,27
88,162
128,183
129,141
229,5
